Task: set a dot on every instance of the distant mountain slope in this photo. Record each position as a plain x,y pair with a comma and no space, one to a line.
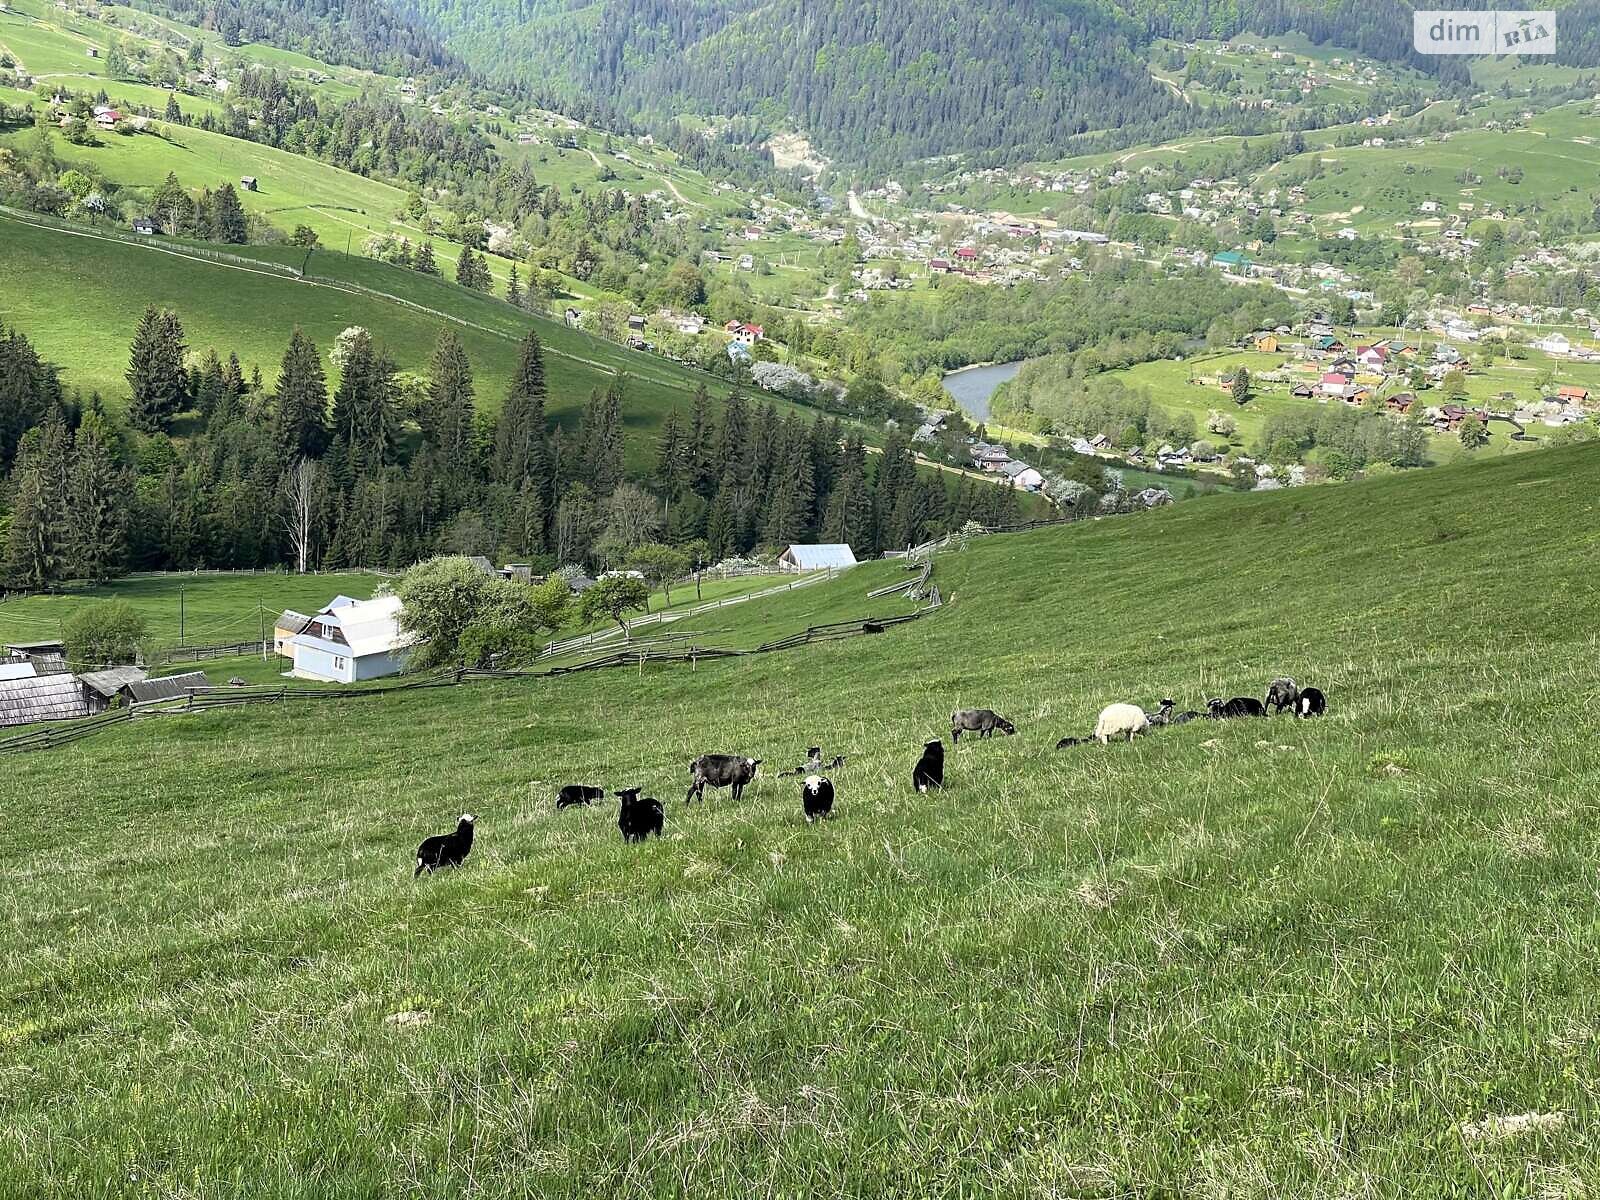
880,81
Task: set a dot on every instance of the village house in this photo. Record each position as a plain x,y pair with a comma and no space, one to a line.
34,698
248,183
46,657
831,556
1400,403
350,640
103,689
1022,476
1374,358
1575,394
1554,343
1266,342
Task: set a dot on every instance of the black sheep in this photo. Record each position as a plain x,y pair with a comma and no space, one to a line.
446,850
638,819
1184,718
816,794
1162,715
578,793
929,771
1281,694
1067,743
838,761
1312,703
720,771
982,721
1239,706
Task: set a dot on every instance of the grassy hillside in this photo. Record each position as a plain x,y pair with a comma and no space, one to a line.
1250,959
86,294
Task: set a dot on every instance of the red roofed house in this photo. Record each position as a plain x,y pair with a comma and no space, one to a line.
1573,393
107,118
749,335
966,253
1372,357
1334,384
939,266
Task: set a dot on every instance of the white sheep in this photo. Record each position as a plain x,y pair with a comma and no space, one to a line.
1118,719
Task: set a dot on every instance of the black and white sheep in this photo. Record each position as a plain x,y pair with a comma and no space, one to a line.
578,793
720,771
638,819
1311,703
448,849
812,764
1281,694
929,771
981,721
1162,715
1184,718
1119,720
816,795
1239,706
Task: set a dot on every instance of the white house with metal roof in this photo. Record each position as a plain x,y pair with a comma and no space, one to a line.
824,557
350,640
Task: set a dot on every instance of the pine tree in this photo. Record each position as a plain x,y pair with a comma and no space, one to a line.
521,450
156,376
448,419
365,417
424,261
702,473
228,222
301,402
99,500
514,288
849,514
721,525
37,544
672,466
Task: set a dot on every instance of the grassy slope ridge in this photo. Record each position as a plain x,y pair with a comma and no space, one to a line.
84,294
1252,959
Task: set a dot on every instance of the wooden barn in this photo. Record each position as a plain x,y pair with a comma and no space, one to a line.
35,698
105,689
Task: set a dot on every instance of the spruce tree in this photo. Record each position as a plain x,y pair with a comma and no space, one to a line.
702,473
514,288
100,495
301,402
448,418
521,451
672,466
228,222
424,261
156,377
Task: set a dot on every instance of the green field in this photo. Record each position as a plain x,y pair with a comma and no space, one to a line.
215,609
85,294
1245,960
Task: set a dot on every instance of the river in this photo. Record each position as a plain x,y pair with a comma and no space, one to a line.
971,387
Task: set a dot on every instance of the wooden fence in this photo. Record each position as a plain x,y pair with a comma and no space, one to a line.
175,654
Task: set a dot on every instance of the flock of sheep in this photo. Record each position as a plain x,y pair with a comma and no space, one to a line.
639,817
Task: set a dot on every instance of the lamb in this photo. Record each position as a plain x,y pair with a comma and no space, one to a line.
982,721
1184,718
1162,715
578,793
446,850
1311,703
1067,743
638,819
813,763
838,761
929,771
720,771
1239,706
1281,694
816,795
1119,719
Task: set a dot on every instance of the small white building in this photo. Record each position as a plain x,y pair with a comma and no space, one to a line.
824,557
351,640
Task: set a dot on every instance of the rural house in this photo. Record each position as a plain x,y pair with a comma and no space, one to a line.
57,697
1573,393
101,689
346,642
47,658
825,557
291,624
1022,476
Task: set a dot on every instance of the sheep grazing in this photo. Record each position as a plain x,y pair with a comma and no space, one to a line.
720,771
1281,694
1184,718
816,794
448,849
1239,706
812,764
838,761
578,793
981,721
929,771
1118,720
1162,715
638,819
1310,703
1067,743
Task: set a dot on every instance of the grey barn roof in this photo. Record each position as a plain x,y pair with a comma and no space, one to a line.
292,622
42,698
106,684
168,687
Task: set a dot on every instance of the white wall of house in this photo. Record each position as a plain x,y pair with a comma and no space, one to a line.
315,663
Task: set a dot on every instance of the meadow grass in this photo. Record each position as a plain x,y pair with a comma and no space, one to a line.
1252,959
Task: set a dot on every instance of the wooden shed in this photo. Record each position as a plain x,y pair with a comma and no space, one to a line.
27,701
104,689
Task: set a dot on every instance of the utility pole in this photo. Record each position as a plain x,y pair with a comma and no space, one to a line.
261,616
180,614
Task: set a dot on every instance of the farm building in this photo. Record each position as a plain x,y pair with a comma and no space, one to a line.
48,658
829,556
289,624
168,687
35,698
102,689
350,641
249,183
17,670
